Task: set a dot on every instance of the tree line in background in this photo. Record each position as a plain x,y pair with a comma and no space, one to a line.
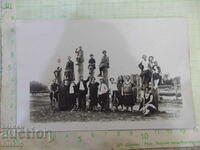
37,87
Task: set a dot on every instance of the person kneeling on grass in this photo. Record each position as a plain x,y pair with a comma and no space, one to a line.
147,106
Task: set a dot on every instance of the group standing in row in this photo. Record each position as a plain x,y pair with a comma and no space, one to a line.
121,92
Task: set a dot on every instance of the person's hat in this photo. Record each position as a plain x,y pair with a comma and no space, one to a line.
91,55
104,51
144,55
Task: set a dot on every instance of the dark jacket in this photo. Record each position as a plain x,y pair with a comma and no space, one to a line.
104,62
92,63
54,87
93,89
85,86
70,66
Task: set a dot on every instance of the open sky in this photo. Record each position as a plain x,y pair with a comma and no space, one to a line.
41,42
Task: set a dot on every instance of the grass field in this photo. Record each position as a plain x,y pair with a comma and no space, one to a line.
41,111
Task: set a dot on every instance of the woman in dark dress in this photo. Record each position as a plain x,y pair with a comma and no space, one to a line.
127,93
64,102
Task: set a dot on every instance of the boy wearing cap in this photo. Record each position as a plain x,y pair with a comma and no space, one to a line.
114,92
91,65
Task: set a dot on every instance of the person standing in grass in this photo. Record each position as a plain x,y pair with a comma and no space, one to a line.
102,94
127,93
114,93
53,91
93,94
82,90
120,82
72,95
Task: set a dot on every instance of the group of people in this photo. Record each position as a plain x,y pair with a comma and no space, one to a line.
106,94
103,65
73,95
151,78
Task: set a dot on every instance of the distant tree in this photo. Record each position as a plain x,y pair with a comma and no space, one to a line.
37,87
167,80
177,80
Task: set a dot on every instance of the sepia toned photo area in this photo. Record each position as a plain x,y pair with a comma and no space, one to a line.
43,109
103,70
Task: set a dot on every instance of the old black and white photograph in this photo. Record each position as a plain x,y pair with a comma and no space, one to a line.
104,74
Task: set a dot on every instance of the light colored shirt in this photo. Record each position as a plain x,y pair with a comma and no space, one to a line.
102,89
145,64
113,87
150,65
81,86
71,89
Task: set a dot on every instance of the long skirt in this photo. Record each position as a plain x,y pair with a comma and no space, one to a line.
102,101
72,99
93,102
128,100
